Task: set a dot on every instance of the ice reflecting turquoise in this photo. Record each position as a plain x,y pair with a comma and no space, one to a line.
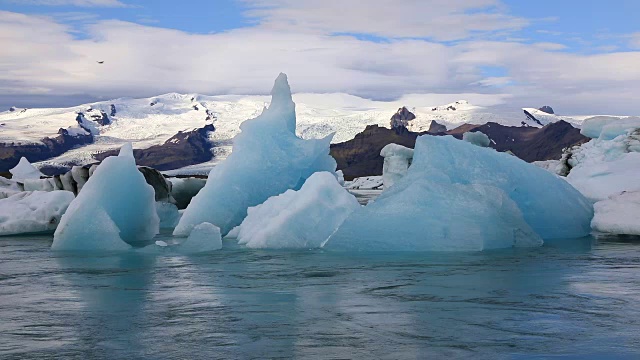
571,300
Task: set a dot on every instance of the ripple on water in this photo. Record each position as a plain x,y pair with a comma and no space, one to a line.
576,298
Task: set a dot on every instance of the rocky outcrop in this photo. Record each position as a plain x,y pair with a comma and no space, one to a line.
401,118
10,153
361,155
161,186
102,118
183,149
435,128
547,109
528,143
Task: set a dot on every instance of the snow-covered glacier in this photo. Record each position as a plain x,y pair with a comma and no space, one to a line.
457,196
298,219
115,208
267,159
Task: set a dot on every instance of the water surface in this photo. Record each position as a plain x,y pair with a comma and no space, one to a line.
577,299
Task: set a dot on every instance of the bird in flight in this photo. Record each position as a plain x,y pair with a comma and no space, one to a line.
100,62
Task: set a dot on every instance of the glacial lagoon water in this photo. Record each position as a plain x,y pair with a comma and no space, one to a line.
577,299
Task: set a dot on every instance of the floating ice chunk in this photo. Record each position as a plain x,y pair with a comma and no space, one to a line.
620,214
161,243
115,207
33,211
39,184
340,176
183,190
96,231
168,214
477,138
397,160
267,159
9,188
80,175
603,168
552,207
457,196
365,183
204,237
552,166
24,170
233,234
419,214
608,127
298,219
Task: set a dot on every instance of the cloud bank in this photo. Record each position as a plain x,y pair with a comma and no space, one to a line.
382,52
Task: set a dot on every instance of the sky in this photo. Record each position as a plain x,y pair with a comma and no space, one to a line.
581,57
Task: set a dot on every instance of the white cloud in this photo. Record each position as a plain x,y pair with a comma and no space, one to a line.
435,19
41,57
82,3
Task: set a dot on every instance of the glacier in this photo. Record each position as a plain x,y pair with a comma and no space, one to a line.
457,196
115,208
298,219
33,211
267,159
397,159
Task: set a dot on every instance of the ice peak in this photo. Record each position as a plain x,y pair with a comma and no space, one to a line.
25,170
282,106
281,92
126,150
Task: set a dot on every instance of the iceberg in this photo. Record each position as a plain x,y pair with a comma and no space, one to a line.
33,211
603,168
183,190
9,187
267,159
115,208
457,196
608,127
24,170
397,160
168,214
298,219
618,214
477,138
204,237
420,214
365,183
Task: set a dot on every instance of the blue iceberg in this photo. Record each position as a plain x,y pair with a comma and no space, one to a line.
457,196
115,208
267,160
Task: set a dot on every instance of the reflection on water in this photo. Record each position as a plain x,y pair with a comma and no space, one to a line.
568,299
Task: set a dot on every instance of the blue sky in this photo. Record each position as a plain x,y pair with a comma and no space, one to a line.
582,26
569,52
